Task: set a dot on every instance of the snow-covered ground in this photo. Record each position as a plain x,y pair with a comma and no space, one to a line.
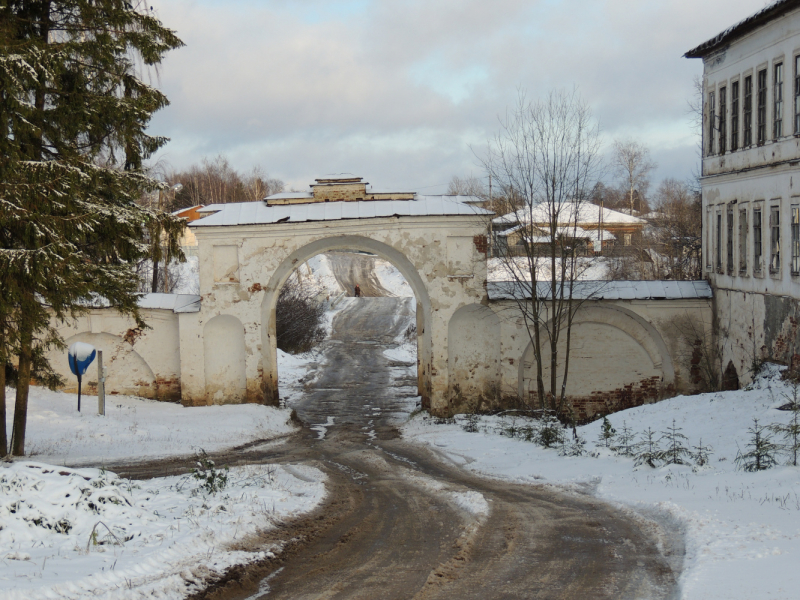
78,533
391,279
75,533
503,269
742,529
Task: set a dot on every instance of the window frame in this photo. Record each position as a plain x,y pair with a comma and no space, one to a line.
758,238
743,231
797,95
712,116
747,116
718,242
777,101
729,239
774,239
722,139
761,108
734,116
795,238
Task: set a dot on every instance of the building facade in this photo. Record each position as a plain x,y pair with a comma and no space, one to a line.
751,207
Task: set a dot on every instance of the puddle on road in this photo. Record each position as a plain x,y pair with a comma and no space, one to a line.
322,429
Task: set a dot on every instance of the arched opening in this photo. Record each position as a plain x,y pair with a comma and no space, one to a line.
473,342
224,349
417,309
617,360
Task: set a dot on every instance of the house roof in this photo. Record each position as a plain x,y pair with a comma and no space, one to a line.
606,290
587,214
177,303
258,213
772,11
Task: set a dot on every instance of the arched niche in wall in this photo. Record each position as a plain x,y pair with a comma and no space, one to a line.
473,357
611,348
128,372
224,349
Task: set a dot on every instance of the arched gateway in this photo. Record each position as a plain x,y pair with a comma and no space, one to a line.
247,251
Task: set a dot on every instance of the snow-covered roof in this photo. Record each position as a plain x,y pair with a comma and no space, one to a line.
757,19
606,290
178,303
209,208
587,214
258,213
285,195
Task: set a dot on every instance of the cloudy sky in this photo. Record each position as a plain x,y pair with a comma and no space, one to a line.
401,91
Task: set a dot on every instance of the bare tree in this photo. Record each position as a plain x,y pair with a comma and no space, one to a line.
676,229
546,155
467,186
632,164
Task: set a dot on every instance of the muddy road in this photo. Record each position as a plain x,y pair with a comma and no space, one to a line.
351,268
400,522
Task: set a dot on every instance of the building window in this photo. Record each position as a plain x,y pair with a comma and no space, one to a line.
797,95
723,118
709,240
734,116
777,115
747,138
712,117
743,240
729,241
757,243
718,245
795,239
774,239
626,239
761,118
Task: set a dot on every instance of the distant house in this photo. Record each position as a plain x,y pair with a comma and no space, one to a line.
599,229
188,240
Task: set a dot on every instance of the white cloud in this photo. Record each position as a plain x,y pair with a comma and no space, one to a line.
397,90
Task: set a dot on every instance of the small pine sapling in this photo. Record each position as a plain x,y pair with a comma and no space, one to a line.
574,447
626,441
470,423
760,455
791,436
676,452
550,432
607,432
647,450
701,454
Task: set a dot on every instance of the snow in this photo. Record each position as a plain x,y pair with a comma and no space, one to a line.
137,428
81,351
742,530
75,533
70,532
391,279
502,269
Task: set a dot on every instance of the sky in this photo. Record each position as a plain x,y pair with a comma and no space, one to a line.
406,93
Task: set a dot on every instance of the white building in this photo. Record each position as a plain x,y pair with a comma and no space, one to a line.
751,207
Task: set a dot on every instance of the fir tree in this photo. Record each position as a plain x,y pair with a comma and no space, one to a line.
676,452
74,115
607,432
791,436
626,441
701,454
549,432
648,451
761,450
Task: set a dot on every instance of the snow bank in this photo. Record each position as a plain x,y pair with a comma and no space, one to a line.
70,533
136,428
742,529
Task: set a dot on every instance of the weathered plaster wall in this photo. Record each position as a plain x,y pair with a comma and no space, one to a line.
139,362
243,268
624,353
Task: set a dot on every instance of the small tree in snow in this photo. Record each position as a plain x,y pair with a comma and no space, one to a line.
701,454
648,451
761,452
550,432
791,436
626,441
607,432
676,452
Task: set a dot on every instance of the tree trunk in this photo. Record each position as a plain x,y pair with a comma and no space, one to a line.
3,434
23,385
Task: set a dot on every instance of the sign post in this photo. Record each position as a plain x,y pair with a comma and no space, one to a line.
80,356
101,384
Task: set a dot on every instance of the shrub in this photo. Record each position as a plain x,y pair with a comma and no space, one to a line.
760,455
298,317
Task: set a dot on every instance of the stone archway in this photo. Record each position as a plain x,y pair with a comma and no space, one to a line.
616,358
269,365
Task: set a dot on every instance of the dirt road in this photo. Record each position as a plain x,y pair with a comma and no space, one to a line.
351,268
402,523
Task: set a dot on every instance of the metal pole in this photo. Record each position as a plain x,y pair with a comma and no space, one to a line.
79,393
101,385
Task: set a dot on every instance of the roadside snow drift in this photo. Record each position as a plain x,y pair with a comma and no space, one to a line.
69,533
742,529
